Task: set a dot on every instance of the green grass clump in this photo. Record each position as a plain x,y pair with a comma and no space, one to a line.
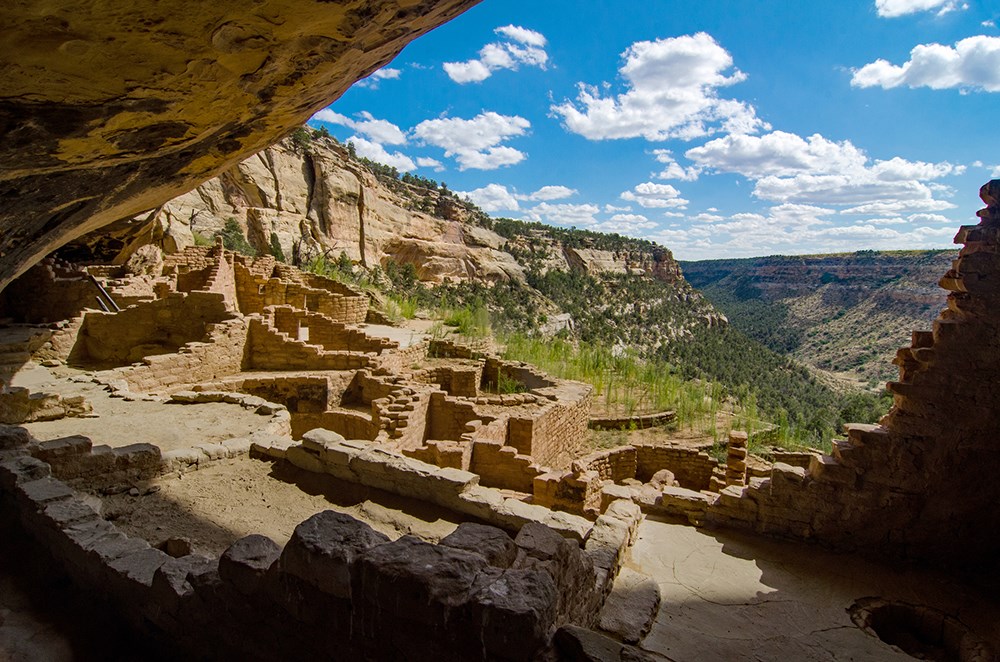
469,320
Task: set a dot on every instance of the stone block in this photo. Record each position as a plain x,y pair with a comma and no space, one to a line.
786,473
515,614
20,469
305,459
323,548
237,447
68,512
631,608
412,580
491,543
13,436
319,439
170,584
245,563
44,490
58,449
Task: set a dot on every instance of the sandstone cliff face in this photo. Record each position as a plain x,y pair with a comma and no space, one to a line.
315,199
319,201
109,109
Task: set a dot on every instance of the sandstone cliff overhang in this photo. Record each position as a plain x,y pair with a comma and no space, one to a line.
110,109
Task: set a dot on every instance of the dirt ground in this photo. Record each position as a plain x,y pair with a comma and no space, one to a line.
116,422
215,506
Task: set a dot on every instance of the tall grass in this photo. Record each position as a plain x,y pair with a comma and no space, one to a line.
468,320
621,380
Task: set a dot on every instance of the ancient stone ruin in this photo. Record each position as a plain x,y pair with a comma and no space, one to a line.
106,118
340,394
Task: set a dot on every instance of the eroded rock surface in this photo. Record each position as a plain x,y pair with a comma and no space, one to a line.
110,109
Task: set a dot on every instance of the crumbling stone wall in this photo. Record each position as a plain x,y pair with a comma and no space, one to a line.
529,376
52,290
459,380
157,327
326,333
272,350
557,429
337,589
220,356
692,469
350,424
614,464
503,467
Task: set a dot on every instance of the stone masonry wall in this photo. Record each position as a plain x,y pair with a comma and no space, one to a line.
272,350
337,590
48,292
614,464
326,333
156,327
220,356
556,430
692,469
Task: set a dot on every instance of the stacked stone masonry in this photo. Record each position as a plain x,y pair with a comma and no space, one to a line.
377,599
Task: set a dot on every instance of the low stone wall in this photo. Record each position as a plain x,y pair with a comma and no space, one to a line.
156,327
503,467
693,469
400,360
350,424
632,422
572,491
272,350
529,376
220,356
338,589
456,380
614,464
326,333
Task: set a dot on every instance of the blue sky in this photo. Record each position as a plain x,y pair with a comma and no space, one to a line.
718,129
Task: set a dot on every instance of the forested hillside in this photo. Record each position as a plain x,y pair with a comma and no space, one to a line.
841,313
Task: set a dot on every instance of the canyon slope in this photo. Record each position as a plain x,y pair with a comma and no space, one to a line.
308,196
845,313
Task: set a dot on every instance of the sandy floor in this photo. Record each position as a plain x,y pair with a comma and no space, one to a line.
116,422
227,500
734,598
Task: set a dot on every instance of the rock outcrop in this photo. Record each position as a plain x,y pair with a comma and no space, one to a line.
110,109
307,196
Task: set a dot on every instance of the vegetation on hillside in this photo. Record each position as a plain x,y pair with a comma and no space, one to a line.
644,344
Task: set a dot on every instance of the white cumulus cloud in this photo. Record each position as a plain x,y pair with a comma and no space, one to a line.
672,91
380,131
582,215
674,170
385,73
376,152
550,193
788,168
971,64
895,8
475,143
492,198
518,46
655,196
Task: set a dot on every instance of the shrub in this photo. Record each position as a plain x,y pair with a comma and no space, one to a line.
233,238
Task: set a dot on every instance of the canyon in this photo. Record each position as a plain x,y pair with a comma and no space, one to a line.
466,518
